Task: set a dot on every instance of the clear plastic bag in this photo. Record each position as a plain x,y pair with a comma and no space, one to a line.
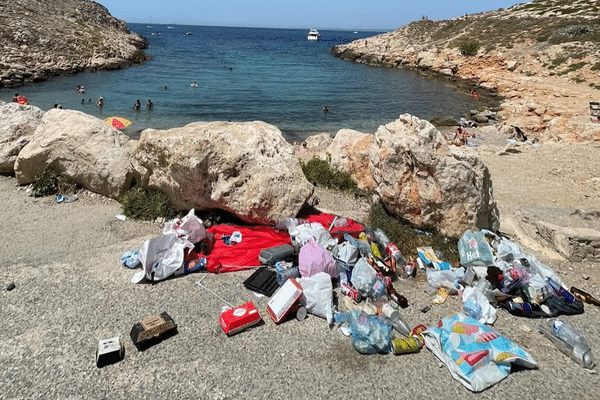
370,333
317,295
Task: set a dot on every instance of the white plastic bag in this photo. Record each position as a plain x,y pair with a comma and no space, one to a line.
301,233
161,257
189,227
317,295
474,299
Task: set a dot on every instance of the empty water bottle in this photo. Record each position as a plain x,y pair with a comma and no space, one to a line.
570,341
286,274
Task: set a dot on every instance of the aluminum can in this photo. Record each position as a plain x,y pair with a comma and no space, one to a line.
350,292
406,345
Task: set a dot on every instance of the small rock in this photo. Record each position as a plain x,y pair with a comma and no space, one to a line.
526,329
11,286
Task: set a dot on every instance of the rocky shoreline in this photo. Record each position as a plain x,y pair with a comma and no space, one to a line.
58,37
548,105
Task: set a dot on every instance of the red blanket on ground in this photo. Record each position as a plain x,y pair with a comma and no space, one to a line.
244,255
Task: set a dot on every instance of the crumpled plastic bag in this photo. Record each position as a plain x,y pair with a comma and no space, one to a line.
313,258
347,253
317,295
474,250
477,306
302,233
370,333
363,277
189,227
475,355
445,278
162,257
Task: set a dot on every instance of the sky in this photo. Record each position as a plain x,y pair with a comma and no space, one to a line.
381,15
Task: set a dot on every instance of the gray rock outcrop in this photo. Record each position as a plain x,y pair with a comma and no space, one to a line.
52,37
83,148
246,168
17,124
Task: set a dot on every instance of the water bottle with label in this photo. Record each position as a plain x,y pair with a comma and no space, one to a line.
570,341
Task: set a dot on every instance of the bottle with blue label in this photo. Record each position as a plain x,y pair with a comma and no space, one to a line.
570,341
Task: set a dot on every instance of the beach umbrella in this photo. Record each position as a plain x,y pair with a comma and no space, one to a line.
117,122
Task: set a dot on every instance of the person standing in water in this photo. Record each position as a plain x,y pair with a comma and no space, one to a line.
149,105
137,105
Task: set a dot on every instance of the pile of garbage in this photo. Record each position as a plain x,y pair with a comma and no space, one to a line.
302,265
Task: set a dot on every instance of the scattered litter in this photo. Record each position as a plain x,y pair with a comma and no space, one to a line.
121,217
152,330
239,318
475,355
11,286
109,351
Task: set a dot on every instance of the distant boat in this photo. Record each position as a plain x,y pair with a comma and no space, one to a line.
188,34
170,27
355,31
313,35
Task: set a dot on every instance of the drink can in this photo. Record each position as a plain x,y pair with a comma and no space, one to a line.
409,269
350,292
406,345
386,280
389,311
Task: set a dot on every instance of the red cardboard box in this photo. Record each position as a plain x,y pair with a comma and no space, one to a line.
239,318
284,300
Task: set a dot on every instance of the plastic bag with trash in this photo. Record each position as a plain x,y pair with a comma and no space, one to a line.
370,333
474,249
189,227
313,258
477,306
475,355
317,295
302,233
162,257
363,277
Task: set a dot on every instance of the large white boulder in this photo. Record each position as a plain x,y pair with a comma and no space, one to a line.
246,168
17,124
349,152
83,148
429,184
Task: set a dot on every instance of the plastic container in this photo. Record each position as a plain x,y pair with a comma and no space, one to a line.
286,274
561,291
274,254
472,309
570,341
288,223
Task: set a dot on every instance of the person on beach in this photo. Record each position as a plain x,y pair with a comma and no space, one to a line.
20,99
149,105
15,98
100,102
137,105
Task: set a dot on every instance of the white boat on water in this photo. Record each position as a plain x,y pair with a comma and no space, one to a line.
313,35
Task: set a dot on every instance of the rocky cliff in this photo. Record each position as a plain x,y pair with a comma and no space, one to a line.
541,57
41,38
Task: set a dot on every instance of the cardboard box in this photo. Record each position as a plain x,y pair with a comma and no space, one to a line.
152,327
284,300
239,318
109,351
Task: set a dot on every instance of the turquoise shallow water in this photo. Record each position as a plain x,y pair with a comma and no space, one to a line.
246,74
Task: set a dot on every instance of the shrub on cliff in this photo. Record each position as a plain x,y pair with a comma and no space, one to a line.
146,205
469,48
319,172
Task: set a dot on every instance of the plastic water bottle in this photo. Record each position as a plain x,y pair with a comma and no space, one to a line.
286,274
390,248
472,308
570,341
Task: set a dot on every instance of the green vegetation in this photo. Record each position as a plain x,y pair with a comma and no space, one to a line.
578,79
320,173
469,48
48,183
596,66
408,240
146,205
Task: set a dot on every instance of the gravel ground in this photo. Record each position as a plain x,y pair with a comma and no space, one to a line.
71,291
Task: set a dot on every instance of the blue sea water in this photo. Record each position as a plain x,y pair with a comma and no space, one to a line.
247,74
